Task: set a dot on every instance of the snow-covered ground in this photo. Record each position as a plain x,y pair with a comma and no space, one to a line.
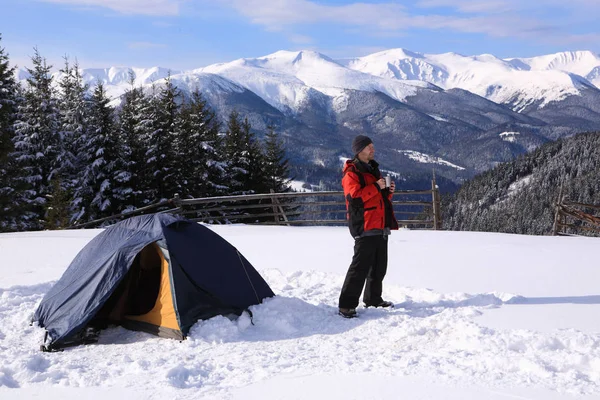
478,316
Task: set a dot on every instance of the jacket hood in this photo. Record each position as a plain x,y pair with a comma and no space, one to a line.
351,165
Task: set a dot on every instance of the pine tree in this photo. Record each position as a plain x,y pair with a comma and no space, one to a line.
244,158
8,115
37,143
132,125
198,165
245,162
7,104
145,114
235,151
256,178
99,190
160,154
276,168
73,106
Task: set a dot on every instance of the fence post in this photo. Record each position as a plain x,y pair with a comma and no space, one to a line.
557,209
435,204
275,206
176,200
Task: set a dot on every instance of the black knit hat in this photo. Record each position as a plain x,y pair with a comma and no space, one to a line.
359,143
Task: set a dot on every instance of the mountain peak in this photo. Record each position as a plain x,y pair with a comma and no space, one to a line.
311,56
294,57
397,53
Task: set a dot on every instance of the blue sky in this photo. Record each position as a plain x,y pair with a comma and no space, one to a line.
187,34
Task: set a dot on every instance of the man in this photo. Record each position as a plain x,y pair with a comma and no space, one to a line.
370,219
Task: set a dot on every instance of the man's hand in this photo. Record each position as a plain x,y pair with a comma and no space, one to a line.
392,187
381,183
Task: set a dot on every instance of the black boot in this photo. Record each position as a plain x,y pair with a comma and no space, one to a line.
348,312
383,304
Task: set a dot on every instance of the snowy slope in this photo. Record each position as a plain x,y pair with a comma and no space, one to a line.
478,316
582,63
519,82
427,159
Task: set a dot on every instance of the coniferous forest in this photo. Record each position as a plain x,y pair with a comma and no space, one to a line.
519,196
67,156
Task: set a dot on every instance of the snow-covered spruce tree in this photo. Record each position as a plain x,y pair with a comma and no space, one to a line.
37,144
99,189
160,150
276,168
236,156
73,104
8,115
198,163
8,94
133,127
256,178
245,161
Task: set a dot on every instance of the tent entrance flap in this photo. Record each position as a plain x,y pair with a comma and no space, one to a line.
154,286
144,300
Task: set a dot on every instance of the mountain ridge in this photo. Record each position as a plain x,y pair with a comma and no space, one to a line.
457,108
445,70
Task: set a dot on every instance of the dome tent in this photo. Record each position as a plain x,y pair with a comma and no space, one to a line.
156,273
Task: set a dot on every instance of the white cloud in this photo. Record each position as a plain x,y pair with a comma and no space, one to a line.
552,23
387,18
495,6
144,7
496,18
277,14
468,6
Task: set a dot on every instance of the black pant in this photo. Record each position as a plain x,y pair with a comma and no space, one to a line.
369,263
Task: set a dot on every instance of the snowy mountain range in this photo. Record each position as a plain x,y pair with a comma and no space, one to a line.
518,82
444,106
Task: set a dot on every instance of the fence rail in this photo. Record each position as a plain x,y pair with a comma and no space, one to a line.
568,215
579,220
414,208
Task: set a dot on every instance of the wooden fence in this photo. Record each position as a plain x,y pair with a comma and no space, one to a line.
418,209
569,215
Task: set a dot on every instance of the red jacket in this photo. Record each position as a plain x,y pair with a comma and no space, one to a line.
369,208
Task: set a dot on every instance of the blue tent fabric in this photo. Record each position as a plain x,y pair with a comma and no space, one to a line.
219,270
208,277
